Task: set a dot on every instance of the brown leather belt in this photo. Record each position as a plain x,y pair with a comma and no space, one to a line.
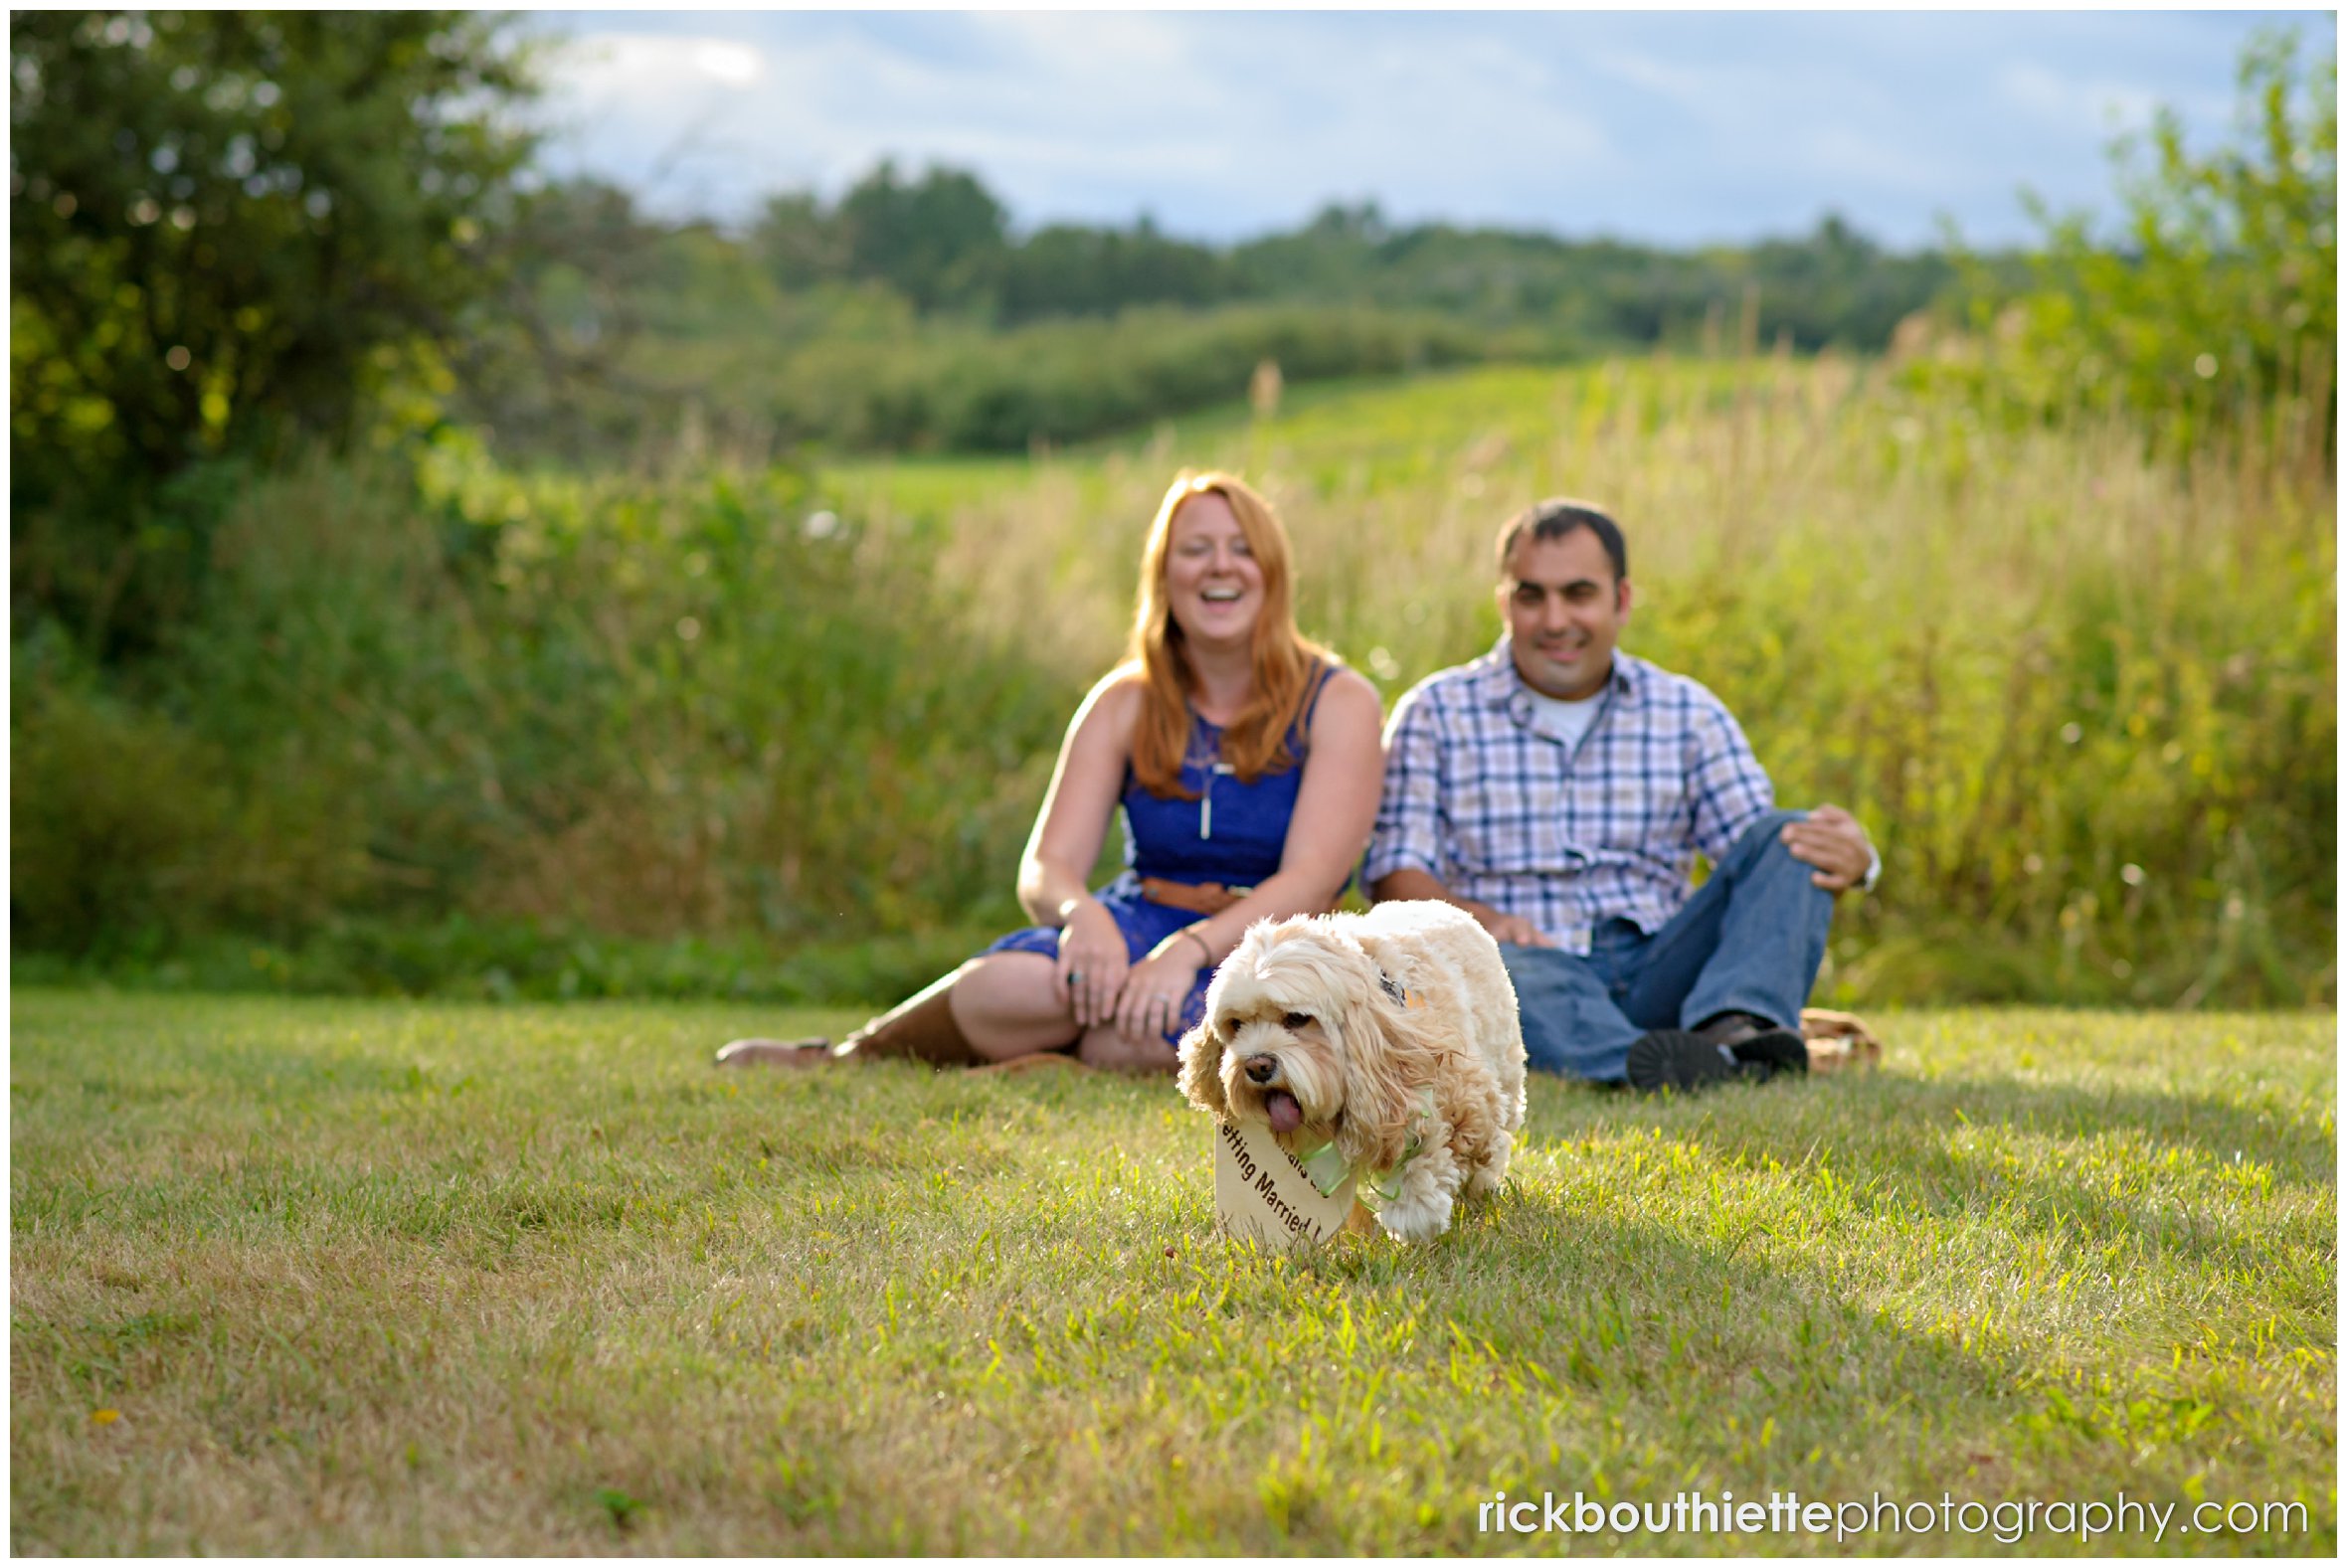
1199,898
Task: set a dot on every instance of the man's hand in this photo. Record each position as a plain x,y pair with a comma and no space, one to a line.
1511,927
1411,883
1833,842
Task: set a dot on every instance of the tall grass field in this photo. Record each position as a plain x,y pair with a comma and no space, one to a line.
721,730
309,1276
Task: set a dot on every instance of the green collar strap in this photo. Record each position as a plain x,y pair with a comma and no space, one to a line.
1328,1170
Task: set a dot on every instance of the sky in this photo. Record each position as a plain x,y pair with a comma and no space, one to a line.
1667,127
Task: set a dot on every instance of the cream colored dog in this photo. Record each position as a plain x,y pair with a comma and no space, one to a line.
1390,1037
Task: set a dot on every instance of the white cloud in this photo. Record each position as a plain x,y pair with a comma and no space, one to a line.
1672,126
2074,102
735,65
1844,153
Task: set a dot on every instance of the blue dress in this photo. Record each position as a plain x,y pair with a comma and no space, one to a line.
1232,833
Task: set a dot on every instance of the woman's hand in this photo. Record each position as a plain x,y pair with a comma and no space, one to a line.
1155,988
1092,961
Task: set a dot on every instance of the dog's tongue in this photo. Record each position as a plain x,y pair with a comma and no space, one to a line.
1286,1115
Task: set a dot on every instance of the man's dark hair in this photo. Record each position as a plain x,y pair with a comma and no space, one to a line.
1556,517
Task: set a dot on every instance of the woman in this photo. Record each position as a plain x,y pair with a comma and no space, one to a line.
1248,764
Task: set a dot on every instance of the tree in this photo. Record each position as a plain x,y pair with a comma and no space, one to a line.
2215,301
800,243
1069,269
935,241
227,228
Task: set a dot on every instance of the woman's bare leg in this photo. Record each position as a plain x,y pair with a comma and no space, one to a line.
1011,1004
995,1009
1103,1046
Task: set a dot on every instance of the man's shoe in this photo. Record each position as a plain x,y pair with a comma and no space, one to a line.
1676,1059
1770,1053
1756,1042
1726,1028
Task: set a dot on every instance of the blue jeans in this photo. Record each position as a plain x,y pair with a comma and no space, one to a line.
1749,940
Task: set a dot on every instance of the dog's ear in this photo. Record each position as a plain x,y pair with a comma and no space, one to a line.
1387,1054
1201,1070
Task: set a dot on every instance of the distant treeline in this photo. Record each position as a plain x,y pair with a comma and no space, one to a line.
909,314
944,243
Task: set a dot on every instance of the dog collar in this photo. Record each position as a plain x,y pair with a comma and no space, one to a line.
1403,997
1327,1168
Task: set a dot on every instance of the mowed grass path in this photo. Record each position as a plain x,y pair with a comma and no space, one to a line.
418,1279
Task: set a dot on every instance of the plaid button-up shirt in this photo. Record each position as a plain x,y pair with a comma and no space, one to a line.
1501,813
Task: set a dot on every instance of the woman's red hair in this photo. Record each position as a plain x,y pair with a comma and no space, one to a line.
1255,743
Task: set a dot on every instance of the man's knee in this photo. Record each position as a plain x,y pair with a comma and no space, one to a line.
1767,827
1765,840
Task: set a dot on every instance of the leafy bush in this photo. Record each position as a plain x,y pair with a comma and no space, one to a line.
461,956
224,226
129,825
2212,310
639,707
1065,381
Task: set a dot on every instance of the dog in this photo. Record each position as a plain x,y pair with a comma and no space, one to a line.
1390,1037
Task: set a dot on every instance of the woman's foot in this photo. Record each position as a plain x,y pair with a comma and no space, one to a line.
814,1051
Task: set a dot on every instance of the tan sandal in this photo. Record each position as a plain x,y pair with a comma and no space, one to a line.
920,1028
815,1051
1838,1040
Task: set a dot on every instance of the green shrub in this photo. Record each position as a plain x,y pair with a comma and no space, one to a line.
1065,381
126,823
2210,311
639,707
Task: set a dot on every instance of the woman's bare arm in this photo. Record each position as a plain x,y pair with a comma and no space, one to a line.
1066,840
1085,782
1335,807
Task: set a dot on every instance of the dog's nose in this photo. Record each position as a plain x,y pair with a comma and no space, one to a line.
1262,1069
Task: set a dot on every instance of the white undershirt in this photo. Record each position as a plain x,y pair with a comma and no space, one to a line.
1562,719
1566,722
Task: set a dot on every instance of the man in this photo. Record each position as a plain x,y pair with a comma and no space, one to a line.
1558,790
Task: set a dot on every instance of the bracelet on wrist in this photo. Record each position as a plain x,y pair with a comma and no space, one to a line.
1192,932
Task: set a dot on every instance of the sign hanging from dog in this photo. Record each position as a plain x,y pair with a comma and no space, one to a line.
1264,1195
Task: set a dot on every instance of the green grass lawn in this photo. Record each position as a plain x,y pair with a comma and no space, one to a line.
297,1276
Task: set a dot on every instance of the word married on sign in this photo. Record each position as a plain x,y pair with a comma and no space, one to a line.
1262,1193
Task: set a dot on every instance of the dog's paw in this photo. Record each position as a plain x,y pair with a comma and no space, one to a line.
1416,1219
1488,1176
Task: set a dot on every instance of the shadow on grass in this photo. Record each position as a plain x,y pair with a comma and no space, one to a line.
2144,1171
1630,1360
2198,1124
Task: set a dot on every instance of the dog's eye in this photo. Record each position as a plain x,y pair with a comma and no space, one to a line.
1297,1020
